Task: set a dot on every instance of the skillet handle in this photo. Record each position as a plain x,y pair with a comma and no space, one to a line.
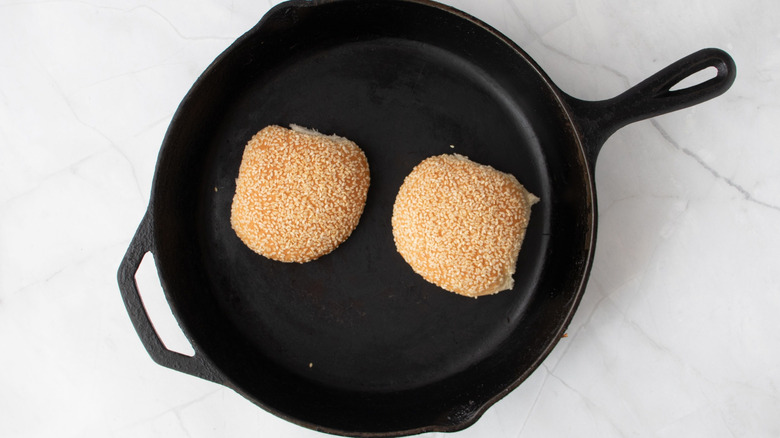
652,97
194,365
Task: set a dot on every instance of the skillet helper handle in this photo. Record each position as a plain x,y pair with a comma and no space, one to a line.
194,365
652,97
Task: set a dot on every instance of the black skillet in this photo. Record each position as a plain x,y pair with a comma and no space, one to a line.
355,343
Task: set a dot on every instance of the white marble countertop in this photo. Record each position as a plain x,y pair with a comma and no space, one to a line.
675,336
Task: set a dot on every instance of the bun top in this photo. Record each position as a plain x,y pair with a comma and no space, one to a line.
299,194
460,224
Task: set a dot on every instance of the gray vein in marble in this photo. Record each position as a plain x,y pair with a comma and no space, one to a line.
128,73
519,16
726,423
745,194
536,399
54,2
125,10
17,197
592,407
119,244
181,422
70,169
538,37
652,341
173,410
646,271
110,142
636,196
535,34
176,30
585,323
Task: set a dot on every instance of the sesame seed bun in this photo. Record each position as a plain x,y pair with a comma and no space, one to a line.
299,194
460,224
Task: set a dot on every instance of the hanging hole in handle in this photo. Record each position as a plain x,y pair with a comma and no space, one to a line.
697,78
158,309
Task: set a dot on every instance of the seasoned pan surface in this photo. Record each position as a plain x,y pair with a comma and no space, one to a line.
355,342
360,316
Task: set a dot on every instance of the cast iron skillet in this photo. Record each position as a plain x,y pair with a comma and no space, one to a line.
355,343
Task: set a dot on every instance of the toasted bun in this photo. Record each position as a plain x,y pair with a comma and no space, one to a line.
460,224
299,194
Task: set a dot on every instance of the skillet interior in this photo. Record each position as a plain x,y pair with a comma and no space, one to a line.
356,342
